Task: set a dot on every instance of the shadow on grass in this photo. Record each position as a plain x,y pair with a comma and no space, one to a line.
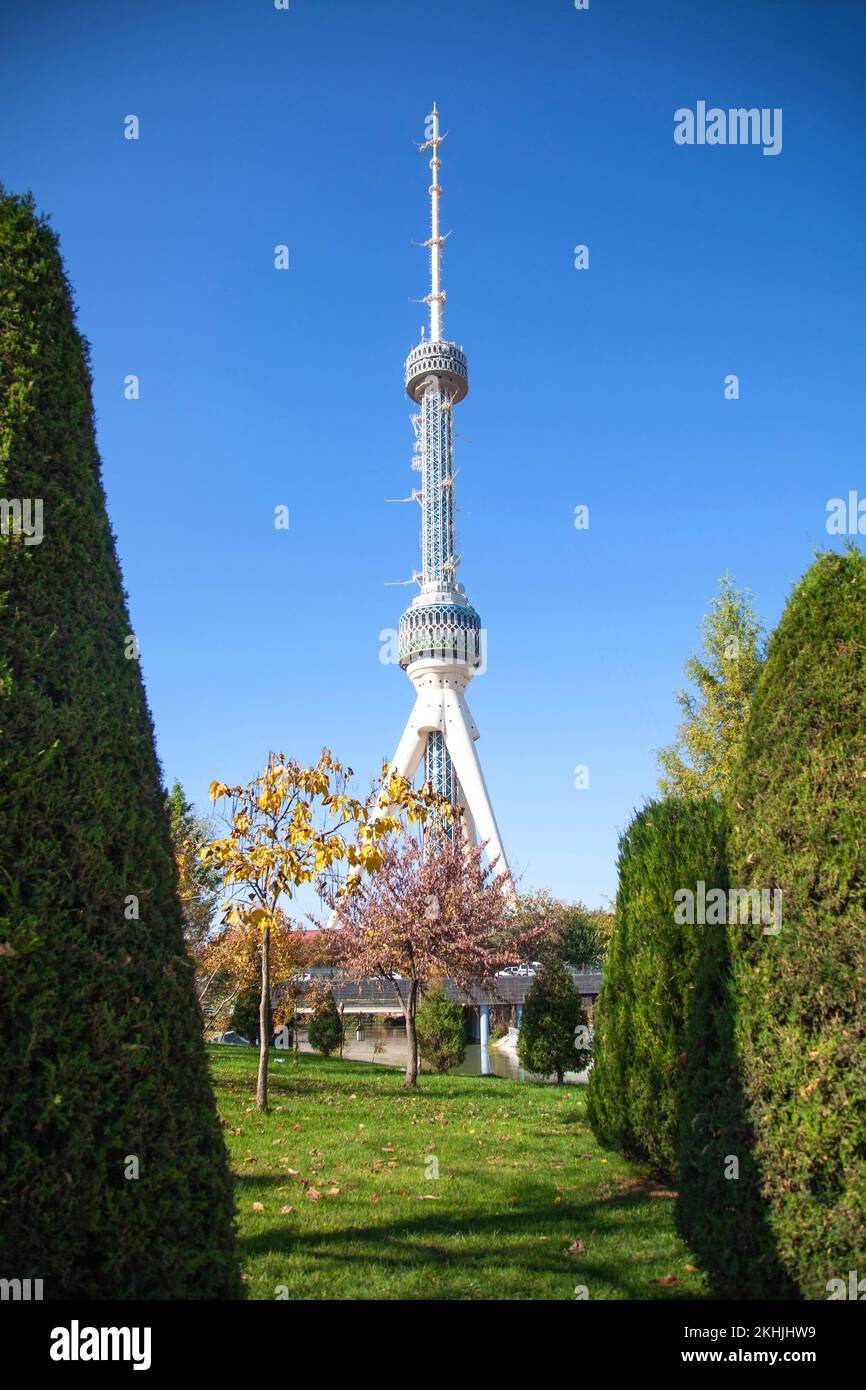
470,1244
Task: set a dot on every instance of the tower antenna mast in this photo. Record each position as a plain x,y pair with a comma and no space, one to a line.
436,297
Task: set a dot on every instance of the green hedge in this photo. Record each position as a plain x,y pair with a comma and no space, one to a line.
101,1057
794,1035
636,1084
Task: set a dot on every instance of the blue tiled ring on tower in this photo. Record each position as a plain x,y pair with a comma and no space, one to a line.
447,631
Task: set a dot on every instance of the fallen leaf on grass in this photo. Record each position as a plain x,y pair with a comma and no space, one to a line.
578,1248
426,1197
258,1206
668,1279
333,1192
284,1211
313,1193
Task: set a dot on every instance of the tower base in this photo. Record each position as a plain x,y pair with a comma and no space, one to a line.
441,707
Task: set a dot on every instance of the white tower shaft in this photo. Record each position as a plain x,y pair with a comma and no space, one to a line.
440,633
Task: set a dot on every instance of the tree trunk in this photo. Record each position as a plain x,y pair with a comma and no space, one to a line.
264,1022
409,1009
559,1076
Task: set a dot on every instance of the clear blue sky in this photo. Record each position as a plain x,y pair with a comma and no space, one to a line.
602,387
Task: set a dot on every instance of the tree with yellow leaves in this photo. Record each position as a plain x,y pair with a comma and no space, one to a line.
293,825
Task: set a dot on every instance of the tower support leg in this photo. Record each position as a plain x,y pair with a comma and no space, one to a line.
461,746
410,749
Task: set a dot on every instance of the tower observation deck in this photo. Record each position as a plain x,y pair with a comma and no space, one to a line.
440,631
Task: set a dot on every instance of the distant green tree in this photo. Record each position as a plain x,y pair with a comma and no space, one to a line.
548,1043
575,934
701,760
325,1031
199,884
440,1029
245,1014
582,935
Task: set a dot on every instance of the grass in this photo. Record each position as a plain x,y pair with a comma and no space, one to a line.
338,1194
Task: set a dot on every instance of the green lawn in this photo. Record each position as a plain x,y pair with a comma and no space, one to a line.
520,1180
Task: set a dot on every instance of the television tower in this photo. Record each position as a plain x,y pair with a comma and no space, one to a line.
440,632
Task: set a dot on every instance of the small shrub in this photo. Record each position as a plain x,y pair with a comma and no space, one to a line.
325,1031
552,1012
440,1029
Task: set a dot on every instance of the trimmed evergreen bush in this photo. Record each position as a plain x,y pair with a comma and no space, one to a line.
799,1030
245,1014
672,846
552,1012
325,1031
101,1056
440,1029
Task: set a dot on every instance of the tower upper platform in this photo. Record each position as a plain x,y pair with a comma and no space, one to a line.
441,626
446,361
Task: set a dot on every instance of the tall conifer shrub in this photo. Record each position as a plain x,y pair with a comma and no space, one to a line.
113,1175
783,1082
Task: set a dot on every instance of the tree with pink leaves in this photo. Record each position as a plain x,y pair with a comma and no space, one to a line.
430,911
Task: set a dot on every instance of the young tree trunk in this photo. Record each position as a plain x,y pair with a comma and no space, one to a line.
559,1076
410,1006
264,1021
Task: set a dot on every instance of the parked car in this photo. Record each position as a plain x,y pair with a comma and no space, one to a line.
231,1037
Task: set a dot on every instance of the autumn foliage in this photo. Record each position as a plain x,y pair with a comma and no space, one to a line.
292,825
431,911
